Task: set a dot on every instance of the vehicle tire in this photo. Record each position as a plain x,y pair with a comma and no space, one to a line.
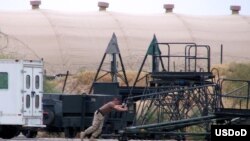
29,133
9,132
49,117
70,132
123,138
17,133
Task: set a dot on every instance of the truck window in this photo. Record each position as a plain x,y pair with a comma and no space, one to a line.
37,101
3,80
27,101
27,81
37,80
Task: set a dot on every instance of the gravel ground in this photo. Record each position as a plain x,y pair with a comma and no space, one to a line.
21,138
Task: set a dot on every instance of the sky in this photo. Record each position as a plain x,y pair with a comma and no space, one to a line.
190,7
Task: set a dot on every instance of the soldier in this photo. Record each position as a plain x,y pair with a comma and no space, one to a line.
99,117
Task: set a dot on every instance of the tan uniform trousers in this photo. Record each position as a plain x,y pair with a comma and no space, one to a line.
97,125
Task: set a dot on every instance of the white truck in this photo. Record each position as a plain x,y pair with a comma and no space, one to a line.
21,92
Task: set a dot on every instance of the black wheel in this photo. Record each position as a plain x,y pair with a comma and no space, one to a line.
48,116
9,132
29,133
123,138
70,132
17,133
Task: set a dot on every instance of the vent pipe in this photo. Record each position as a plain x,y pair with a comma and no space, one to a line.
103,6
168,7
235,9
35,4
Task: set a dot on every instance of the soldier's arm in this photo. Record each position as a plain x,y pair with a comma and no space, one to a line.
120,108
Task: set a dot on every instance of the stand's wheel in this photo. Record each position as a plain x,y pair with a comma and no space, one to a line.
70,132
29,133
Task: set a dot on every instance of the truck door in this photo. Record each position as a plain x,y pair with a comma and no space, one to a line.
33,84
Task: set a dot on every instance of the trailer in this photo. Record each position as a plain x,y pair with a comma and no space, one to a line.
73,113
21,92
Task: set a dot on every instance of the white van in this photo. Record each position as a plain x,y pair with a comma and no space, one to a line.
21,92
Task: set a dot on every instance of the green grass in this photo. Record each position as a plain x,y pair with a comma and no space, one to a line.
50,86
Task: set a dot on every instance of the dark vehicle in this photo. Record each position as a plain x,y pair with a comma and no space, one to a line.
73,113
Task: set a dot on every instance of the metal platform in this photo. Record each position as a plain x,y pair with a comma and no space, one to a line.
230,112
